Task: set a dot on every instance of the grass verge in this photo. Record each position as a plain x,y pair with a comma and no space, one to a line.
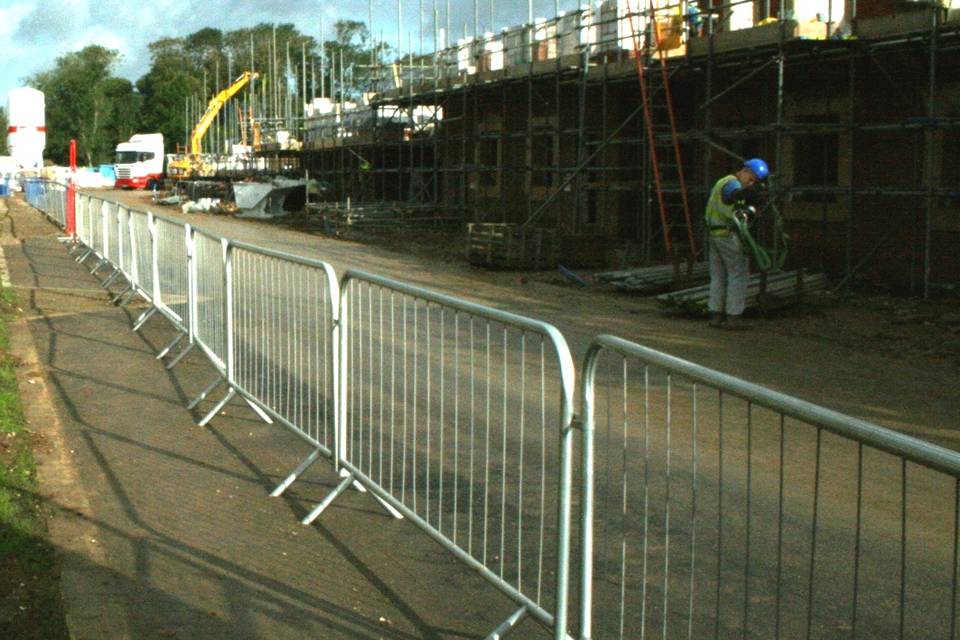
30,604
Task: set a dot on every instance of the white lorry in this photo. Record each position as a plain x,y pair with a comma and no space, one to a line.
139,161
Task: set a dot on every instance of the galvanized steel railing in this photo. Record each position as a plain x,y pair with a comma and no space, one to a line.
459,417
714,507
710,507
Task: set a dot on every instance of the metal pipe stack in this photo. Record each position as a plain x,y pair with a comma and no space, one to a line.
653,279
782,289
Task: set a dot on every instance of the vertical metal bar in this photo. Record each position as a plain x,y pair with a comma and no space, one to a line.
523,395
693,515
956,556
856,546
228,308
543,466
403,467
781,462
381,336
666,514
813,536
486,457
393,387
903,543
456,422
503,459
716,613
416,335
746,564
472,444
341,328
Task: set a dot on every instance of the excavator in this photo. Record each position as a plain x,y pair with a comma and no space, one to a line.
193,164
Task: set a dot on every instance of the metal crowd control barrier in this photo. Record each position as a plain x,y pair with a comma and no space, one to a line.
713,507
460,418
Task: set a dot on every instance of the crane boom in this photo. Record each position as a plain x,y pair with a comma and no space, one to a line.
213,108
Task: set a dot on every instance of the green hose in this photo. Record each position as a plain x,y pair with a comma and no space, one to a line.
760,255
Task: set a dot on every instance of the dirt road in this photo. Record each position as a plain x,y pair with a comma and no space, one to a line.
884,360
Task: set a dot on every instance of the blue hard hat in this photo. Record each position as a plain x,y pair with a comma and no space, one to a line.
759,168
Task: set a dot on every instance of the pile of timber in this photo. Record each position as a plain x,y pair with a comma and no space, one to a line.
765,291
653,279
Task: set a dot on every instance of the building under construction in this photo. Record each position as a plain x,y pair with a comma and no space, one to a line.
537,135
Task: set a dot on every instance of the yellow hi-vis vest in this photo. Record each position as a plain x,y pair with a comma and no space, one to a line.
719,215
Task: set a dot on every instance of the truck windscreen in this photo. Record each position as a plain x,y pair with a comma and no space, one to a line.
126,157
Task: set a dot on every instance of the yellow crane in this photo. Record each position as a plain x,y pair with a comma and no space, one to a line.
192,165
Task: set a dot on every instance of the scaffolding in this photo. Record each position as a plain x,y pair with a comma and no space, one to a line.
540,125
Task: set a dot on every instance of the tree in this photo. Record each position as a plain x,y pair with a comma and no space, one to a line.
165,89
84,101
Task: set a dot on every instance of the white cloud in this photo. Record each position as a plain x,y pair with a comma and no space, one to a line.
38,31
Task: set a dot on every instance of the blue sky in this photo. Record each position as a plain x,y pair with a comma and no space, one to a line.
35,32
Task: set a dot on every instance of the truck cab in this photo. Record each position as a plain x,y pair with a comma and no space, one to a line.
139,161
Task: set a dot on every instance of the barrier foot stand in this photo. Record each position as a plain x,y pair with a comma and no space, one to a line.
179,356
260,412
84,256
383,503
146,315
129,296
203,394
220,405
170,346
313,515
116,298
388,507
509,624
97,266
289,480
110,279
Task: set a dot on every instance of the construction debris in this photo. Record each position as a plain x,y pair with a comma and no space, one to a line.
653,279
765,290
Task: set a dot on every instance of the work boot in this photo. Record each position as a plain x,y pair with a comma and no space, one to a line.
716,320
736,323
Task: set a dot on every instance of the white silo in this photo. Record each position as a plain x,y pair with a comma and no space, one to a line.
26,128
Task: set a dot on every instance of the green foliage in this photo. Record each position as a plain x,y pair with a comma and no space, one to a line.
30,605
85,102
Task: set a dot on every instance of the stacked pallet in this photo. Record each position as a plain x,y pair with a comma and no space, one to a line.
653,279
510,246
766,291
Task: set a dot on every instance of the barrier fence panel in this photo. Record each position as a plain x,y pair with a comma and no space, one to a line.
210,303
142,243
173,270
112,233
459,417
711,507
284,318
714,508
83,203
126,246
97,241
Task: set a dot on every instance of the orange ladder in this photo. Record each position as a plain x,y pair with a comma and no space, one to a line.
665,159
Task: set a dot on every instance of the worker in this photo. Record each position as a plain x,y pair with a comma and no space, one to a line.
694,20
729,265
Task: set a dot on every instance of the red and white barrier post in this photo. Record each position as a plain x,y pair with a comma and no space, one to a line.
72,191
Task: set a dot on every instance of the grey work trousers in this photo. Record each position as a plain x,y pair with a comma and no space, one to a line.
729,272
